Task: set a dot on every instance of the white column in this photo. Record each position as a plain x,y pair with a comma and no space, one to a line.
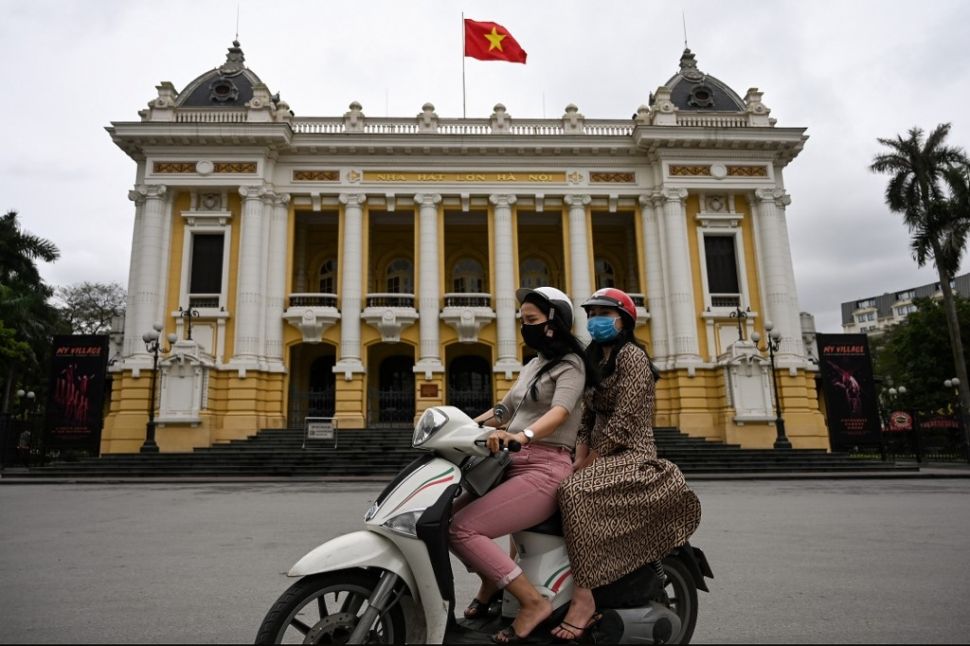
146,259
248,312
505,306
269,197
680,296
428,292
276,283
656,299
165,246
580,289
780,297
351,285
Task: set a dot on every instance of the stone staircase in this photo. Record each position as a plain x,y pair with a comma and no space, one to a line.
382,452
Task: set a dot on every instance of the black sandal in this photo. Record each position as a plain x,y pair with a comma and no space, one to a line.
508,636
477,609
575,632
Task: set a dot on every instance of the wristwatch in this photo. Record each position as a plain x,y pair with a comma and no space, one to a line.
529,434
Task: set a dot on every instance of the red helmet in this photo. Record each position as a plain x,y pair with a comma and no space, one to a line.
616,298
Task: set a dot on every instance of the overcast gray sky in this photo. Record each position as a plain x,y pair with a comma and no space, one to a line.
849,71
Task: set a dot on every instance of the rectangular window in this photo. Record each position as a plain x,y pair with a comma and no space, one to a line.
722,265
206,276
864,304
905,296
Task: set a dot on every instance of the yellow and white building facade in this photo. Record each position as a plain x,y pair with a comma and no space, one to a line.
364,268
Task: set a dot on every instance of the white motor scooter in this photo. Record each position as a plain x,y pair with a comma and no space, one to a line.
392,583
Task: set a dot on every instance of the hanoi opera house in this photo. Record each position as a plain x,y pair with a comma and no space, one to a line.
364,268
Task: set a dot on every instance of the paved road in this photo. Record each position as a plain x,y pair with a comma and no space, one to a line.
868,561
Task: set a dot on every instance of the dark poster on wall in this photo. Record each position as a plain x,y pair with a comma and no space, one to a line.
76,392
850,395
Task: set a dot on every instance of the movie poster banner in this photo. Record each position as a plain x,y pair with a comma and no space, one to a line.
852,411
76,393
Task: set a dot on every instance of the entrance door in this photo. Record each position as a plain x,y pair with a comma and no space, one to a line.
395,394
313,394
470,384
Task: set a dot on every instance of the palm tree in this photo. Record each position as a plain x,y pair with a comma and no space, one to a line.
929,185
23,302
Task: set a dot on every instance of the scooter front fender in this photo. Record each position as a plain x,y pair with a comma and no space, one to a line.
355,550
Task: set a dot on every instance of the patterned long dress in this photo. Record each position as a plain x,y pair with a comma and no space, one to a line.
627,507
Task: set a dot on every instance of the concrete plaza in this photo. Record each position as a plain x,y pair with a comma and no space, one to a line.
803,561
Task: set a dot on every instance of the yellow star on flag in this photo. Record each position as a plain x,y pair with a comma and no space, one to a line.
495,39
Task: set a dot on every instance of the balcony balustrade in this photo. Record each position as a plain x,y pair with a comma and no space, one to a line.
312,314
468,313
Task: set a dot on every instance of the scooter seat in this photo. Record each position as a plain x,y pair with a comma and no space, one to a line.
551,526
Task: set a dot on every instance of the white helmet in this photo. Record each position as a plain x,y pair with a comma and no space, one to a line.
560,304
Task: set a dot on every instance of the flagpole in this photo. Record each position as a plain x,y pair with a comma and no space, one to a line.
463,39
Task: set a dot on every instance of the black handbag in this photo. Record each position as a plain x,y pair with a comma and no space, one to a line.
480,474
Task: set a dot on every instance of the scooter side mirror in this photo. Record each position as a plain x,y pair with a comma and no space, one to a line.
500,412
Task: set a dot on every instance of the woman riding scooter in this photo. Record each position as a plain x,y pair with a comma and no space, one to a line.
623,507
544,419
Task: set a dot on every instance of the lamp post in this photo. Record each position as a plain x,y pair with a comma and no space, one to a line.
773,342
152,344
188,314
955,385
25,401
740,315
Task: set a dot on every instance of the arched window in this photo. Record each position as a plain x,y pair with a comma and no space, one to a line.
468,276
534,273
400,276
328,277
605,276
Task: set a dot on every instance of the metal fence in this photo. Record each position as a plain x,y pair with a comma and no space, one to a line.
310,403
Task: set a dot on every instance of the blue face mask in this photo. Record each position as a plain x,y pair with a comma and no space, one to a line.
601,328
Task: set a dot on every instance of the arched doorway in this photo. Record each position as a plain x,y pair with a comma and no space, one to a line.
395,392
312,383
470,384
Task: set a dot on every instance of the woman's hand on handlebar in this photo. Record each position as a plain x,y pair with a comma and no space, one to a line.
501,439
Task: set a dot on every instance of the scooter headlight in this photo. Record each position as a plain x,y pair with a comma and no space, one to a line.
432,420
406,523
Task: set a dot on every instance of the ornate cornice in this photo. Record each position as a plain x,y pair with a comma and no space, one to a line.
427,199
352,199
778,196
577,200
316,175
502,199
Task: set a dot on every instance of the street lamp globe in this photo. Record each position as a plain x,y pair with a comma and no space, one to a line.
158,327
150,337
172,338
769,326
775,335
955,382
755,337
948,383
902,390
30,396
892,392
21,392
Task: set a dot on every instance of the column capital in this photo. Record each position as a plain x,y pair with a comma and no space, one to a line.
674,194
502,200
427,199
577,200
355,199
281,199
779,196
142,192
252,192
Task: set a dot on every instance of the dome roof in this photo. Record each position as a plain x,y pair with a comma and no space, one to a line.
692,89
229,85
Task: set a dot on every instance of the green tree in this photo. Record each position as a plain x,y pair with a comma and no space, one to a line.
927,186
24,308
89,307
916,354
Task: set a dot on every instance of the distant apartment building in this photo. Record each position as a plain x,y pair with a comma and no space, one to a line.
874,314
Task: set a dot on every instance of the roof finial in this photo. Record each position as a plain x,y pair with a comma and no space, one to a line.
235,60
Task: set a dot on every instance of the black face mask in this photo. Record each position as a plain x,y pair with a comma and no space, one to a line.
535,336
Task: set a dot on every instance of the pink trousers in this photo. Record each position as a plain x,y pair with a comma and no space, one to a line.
525,498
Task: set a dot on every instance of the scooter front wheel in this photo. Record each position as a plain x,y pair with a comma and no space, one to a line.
325,608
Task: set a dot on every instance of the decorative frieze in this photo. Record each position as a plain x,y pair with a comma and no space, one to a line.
747,171
612,178
690,171
234,167
316,176
173,167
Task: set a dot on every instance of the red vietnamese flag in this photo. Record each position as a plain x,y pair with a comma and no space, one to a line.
489,41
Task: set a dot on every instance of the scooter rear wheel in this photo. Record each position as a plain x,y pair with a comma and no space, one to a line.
324,609
681,598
